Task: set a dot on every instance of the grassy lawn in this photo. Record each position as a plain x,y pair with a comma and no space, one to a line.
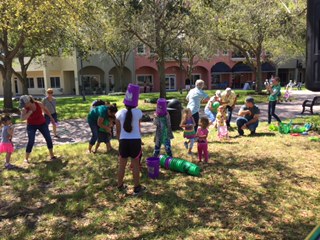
262,187
74,107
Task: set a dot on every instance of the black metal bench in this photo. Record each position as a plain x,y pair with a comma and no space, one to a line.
310,104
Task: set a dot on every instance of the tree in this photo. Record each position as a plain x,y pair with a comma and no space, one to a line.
193,45
111,36
250,26
22,21
156,23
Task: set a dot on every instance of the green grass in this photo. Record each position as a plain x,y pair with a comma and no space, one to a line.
262,187
74,107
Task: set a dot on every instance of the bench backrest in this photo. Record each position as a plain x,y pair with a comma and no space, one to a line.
316,101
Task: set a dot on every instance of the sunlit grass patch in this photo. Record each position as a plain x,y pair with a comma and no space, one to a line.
254,187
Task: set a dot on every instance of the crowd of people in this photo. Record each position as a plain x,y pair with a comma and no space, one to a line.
103,117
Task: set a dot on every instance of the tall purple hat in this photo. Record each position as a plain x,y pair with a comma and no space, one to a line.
161,107
132,95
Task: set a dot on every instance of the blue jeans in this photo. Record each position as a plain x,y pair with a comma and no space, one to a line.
32,129
210,115
196,120
271,111
241,121
167,146
229,112
95,131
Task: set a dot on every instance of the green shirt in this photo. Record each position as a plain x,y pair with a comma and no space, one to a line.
100,111
276,90
105,123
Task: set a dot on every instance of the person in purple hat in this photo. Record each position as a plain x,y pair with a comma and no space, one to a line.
129,136
163,131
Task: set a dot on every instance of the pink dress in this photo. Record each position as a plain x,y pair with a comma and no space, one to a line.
203,144
6,145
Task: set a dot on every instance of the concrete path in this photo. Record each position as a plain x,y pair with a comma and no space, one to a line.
77,130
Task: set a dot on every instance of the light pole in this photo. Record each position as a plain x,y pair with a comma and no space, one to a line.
81,78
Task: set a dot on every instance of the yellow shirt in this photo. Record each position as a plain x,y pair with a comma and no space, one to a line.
228,100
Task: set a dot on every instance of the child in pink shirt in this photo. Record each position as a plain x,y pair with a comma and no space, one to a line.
202,134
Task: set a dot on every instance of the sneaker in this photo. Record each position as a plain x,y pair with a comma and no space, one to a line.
252,132
186,145
9,166
56,136
26,161
122,188
139,190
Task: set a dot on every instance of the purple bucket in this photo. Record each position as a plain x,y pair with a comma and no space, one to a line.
167,162
153,164
132,95
161,107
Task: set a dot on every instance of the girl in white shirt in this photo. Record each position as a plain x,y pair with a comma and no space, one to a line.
128,133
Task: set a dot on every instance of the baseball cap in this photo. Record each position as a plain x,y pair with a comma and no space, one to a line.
228,89
24,99
250,99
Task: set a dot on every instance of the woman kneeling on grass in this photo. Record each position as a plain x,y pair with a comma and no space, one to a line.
32,112
129,135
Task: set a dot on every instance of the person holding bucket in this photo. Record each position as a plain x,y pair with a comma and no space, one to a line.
163,131
129,136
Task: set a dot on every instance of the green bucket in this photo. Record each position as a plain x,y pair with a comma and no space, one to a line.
163,159
177,165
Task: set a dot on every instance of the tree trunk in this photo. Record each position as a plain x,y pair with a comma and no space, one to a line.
120,75
7,89
259,83
161,69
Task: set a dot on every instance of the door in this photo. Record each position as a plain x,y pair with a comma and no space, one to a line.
170,82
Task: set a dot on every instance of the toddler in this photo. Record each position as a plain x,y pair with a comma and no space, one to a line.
6,145
202,134
187,123
163,131
221,123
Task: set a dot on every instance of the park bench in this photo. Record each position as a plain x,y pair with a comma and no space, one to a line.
310,104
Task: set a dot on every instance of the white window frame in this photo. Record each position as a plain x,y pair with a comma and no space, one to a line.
42,82
144,75
175,82
225,52
143,47
193,81
29,79
55,77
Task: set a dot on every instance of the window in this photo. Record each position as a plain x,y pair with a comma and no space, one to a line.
55,82
40,81
225,52
141,49
91,81
215,78
144,79
30,83
170,82
194,78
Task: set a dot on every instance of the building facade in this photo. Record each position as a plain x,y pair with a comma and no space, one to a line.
70,75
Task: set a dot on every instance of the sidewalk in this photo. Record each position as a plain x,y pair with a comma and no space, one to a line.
77,130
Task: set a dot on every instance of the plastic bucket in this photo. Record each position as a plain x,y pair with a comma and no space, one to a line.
163,159
153,164
167,162
284,128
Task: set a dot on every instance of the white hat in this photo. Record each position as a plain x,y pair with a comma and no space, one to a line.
24,99
228,89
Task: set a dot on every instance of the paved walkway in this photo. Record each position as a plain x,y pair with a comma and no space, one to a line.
77,130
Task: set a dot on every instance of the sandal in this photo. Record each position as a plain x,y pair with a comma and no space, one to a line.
9,166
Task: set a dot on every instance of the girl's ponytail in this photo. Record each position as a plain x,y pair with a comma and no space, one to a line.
127,125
